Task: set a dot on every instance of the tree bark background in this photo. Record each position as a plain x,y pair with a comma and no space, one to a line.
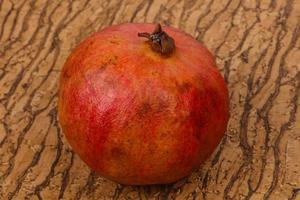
257,48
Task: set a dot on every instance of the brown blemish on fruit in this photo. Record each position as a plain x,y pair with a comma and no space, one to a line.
117,152
183,87
144,109
162,105
66,74
114,42
197,133
113,60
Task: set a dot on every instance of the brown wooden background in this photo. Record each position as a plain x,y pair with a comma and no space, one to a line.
258,51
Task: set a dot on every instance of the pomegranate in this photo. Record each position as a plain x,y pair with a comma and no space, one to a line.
142,106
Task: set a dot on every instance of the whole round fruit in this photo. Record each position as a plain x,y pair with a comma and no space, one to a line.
142,108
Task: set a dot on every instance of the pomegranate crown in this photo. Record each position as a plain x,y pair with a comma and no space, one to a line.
160,41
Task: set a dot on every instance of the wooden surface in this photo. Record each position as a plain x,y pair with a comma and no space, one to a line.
258,51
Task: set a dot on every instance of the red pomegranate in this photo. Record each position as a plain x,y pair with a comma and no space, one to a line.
143,108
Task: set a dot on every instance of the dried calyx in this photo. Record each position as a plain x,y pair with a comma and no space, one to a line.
160,41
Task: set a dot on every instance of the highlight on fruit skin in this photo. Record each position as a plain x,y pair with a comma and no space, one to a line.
137,113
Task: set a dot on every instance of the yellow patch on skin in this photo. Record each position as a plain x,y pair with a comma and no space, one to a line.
145,50
115,40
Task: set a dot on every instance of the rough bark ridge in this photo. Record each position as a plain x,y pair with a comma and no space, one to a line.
258,51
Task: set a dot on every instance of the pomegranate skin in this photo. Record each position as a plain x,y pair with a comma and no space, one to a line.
135,116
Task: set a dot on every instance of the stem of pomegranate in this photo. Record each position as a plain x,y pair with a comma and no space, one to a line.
160,41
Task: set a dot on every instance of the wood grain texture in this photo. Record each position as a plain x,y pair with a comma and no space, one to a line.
257,47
